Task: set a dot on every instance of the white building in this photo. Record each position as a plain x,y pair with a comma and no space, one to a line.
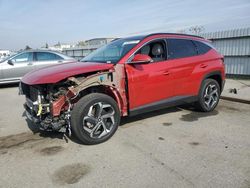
60,47
4,53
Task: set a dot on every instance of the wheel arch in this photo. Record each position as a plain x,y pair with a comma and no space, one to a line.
104,89
215,75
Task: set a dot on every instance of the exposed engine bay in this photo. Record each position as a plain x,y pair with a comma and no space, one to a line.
49,105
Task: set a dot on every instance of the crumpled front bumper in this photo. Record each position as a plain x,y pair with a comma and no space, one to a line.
30,111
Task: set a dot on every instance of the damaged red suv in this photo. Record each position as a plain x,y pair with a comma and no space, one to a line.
126,77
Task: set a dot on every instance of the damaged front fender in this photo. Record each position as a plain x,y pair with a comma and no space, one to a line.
114,80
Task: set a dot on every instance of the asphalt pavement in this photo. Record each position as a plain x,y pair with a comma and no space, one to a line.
237,90
175,147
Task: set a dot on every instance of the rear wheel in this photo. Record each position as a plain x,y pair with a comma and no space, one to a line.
95,118
209,95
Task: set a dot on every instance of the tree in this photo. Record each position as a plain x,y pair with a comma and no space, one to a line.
27,47
198,29
46,45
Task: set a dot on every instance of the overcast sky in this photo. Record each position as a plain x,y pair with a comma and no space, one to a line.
33,23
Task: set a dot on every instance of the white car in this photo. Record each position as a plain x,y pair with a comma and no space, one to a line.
13,68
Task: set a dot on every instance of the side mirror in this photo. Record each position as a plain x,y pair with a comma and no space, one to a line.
10,62
141,58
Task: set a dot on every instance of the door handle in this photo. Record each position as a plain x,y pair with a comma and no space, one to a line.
166,73
203,65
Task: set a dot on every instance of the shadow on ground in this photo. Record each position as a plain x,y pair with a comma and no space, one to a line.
147,115
193,115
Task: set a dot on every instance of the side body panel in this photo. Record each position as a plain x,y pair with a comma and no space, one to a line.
16,71
148,83
1,72
189,72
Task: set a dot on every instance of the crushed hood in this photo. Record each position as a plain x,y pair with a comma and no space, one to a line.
56,73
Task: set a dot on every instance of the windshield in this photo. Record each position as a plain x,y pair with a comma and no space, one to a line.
112,52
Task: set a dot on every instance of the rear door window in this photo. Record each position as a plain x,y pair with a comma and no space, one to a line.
179,48
46,56
202,47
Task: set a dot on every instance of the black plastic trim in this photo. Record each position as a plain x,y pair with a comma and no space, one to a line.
213,74
170,102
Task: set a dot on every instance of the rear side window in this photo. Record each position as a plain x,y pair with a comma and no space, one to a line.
46,56
179,48
202,47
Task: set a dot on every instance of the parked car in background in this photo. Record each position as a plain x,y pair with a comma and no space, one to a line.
13,68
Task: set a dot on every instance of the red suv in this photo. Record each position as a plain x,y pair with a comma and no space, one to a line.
126,77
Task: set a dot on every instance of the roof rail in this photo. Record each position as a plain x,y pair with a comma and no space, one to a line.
180,34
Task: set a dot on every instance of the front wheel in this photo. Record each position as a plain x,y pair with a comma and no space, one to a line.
209,95
95,118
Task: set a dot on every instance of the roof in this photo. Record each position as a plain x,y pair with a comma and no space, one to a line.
39,50
140,37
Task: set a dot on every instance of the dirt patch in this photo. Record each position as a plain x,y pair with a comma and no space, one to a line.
194,116
194,143
167,124
70,174
51,150
13,141
161,138
3,152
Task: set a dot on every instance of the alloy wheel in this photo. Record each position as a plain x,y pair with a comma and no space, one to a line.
211,96
100,120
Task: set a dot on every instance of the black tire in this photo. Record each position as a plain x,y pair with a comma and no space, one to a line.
81,111
202,103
